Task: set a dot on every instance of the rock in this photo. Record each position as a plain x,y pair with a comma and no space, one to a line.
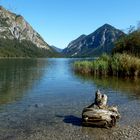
14,26
99,114
94,44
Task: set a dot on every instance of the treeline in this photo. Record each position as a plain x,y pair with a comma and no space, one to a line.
129,44
16,48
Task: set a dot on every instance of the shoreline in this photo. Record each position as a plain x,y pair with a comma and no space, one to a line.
119,65
70,132
31,125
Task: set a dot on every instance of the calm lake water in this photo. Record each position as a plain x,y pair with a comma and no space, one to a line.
45,98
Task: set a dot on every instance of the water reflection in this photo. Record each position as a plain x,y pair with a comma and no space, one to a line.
51,98
17,76
127,86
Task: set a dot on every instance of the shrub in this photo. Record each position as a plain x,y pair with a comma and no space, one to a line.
117,65
129,44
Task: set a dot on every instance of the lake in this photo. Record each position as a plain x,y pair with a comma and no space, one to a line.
42,99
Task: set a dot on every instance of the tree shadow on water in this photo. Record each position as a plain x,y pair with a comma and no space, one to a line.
72,120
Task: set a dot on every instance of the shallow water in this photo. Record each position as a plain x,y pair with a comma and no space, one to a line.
44,98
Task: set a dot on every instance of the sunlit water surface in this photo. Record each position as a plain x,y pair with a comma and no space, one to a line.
46,96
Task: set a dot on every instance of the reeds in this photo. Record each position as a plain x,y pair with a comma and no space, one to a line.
116,65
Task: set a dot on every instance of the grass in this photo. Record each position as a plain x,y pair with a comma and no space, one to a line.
117,65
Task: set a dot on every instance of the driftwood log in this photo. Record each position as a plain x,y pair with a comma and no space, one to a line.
99,113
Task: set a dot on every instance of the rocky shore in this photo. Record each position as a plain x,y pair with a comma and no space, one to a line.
34,124
70,132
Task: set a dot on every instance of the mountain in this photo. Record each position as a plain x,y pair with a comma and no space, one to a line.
94,44
57,49
19,39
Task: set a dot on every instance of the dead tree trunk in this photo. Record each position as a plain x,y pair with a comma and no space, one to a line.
99,114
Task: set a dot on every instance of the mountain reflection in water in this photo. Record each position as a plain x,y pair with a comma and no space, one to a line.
17,76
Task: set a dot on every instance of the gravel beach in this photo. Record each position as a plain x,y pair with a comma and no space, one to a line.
70,132
34,124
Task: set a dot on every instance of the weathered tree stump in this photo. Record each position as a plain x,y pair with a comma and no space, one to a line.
99,114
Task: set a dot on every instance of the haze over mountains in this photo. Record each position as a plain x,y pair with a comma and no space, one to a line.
94,44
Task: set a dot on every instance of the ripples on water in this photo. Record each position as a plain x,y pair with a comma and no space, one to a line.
46,93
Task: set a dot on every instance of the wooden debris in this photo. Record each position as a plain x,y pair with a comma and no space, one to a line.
99,114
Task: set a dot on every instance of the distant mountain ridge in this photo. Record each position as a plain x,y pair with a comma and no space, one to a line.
57,49
14,29
94,44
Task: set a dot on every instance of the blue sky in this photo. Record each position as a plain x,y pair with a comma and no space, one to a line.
61,21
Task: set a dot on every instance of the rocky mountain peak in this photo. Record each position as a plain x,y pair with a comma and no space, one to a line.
106,25
100,41
13,26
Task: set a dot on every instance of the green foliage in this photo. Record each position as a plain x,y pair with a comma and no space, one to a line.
3,22
101,65
117,65
83,66
129,44
16,48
